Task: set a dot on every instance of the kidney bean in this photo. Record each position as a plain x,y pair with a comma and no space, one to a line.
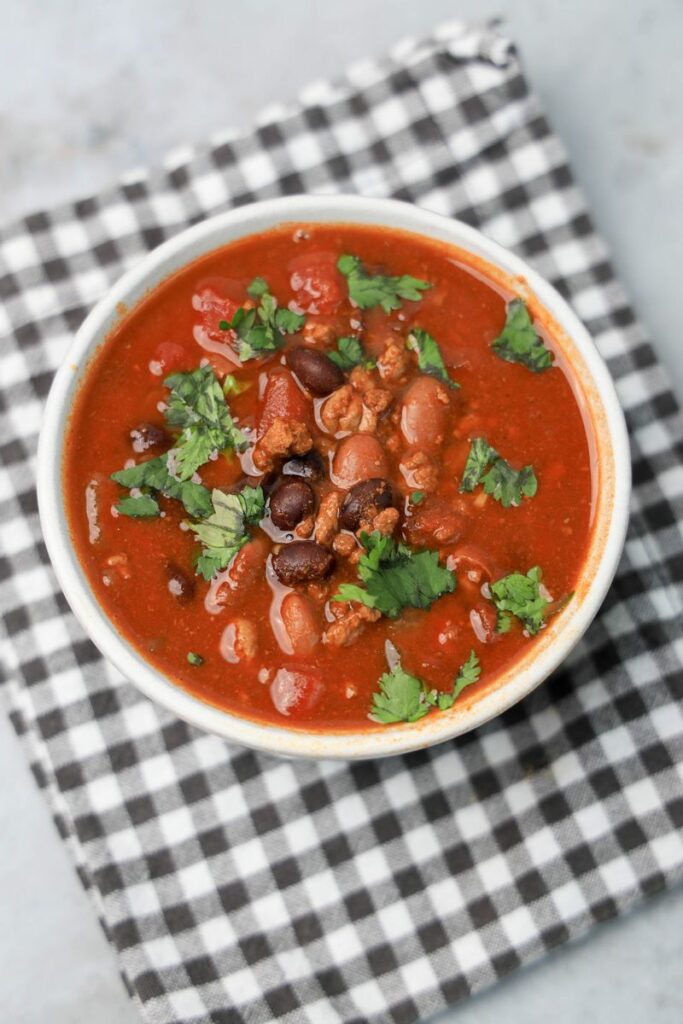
300,623
375,493
302,561
317,373
291,501
179,584
358,457
424,412
309,466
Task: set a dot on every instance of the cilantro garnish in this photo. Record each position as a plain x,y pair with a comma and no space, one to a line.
154,475
349,354
520,595
396,577
142,507
224,531
197,406
429,357
416,497
403,697
195,659
261,330
370,290
519,343
507,485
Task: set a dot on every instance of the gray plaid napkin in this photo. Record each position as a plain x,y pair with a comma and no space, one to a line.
236,888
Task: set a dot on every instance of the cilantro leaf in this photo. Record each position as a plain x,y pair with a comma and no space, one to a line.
261,330
417,497
224,531
195,659
400,698
370,290
520,596
469,673
501,481
154,475
403,697
197,406
350,353
479,456
142,507
397,577
519,343
429,357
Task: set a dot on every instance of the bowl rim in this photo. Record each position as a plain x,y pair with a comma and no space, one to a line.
590,376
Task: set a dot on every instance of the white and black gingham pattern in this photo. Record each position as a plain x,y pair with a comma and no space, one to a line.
237,888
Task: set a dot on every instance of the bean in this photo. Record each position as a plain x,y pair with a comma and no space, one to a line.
358,457
302,561
424,412
291,501
375,493
179,584
300,623
317,373
148,435
309,466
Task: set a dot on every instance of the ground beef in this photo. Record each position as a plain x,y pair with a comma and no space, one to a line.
283,437
328,517
351,619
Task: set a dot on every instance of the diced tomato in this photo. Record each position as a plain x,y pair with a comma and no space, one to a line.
168,357
283,398
213,309
316,282
296,691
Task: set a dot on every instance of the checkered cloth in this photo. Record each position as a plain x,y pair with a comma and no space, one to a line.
236,888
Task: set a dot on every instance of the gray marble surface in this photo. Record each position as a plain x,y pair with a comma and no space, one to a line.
90,89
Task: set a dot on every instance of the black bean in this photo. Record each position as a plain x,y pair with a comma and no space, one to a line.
148,435
301,562
291,501
375,493
179,584
316,372
309,466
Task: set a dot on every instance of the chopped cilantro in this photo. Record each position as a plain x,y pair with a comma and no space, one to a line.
197,406
261,330
403,697
469,673
370,290
396,577
224,531
233,386
519,343
429,357
520,595
416,497
142,507
195,659
507,485
154,475
349,354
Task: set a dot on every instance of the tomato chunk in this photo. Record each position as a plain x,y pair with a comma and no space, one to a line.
295,691
283,399
316,282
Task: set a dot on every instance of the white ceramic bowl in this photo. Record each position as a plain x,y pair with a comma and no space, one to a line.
594,390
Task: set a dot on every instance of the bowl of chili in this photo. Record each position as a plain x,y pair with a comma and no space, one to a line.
331,476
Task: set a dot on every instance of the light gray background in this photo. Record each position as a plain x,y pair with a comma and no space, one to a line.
89,89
